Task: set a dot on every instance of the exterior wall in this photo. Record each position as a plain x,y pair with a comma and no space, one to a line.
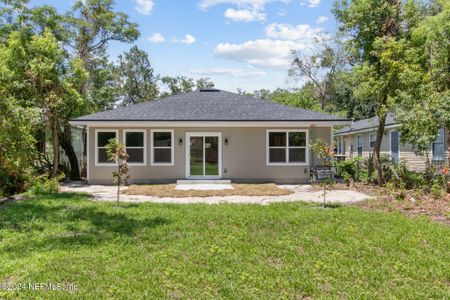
406,152
243,159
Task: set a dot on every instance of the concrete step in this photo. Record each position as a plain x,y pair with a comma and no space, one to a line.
203,181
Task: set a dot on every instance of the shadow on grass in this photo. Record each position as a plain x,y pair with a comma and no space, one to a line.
55,221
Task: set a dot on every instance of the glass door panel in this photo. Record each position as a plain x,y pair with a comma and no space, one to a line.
211,156
196,154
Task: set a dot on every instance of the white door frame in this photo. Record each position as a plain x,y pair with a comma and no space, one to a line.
188,153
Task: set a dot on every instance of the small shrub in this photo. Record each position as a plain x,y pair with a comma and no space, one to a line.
14,182
351,168
437,190
43,184
347,178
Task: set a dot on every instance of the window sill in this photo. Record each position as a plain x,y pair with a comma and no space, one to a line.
162,164
106,165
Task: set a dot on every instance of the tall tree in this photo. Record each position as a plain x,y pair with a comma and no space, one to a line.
372,25
424,98
183,84
93,25
302,98
319,65
135,79
204,83
37,73
13,16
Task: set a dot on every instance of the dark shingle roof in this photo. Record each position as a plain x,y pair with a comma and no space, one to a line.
209,105
366,124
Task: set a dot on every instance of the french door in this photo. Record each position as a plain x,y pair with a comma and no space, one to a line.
203,155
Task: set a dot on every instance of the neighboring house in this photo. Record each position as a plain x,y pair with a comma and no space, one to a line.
358,139
208,134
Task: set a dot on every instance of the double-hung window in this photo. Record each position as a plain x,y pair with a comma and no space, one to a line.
437,147
102,138
359,143
135,146
287,147
162,147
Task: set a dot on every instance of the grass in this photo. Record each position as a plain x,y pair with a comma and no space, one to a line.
168,190
290,250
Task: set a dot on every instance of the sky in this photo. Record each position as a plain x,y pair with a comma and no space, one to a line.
237,43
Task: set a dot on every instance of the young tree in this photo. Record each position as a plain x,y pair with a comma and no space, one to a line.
136,82
373,27
116,152
325,152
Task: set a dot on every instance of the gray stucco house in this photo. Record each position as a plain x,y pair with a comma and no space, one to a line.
358,139
208,134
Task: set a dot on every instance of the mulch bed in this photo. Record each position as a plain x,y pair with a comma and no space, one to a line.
240,189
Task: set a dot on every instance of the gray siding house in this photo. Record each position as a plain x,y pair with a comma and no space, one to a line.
207,134
358,139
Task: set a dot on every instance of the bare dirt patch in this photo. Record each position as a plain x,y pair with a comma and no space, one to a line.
168,190
409,202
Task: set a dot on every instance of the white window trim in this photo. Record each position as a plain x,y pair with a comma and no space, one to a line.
152,161
125,131
443,145
97,131
375,140
287,163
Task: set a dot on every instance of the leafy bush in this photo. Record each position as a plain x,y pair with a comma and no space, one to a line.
44,185
17,153
351,169
13,182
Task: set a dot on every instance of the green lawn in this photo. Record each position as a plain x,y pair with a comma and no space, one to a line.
220,251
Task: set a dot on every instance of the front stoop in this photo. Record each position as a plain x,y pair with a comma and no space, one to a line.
204,181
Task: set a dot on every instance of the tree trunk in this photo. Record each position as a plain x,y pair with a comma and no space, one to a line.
65,135
55,144
377,148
